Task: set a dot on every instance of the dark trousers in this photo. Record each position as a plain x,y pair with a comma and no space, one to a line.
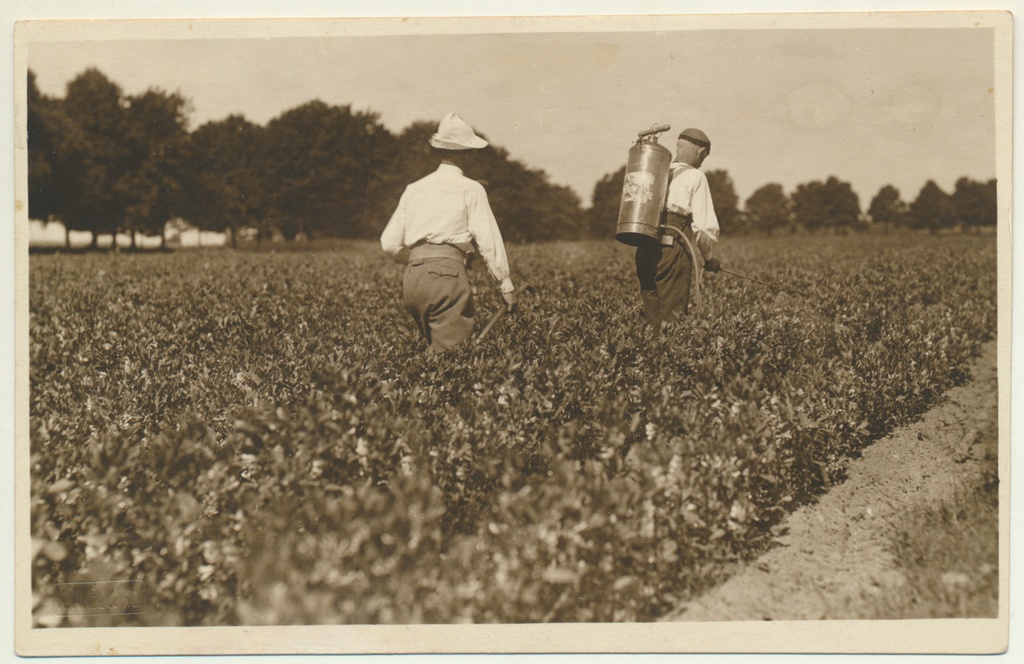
665,274
437,294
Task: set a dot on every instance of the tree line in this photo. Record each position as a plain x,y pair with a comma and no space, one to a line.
831,205
107,162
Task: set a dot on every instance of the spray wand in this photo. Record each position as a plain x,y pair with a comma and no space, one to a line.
756,281
788,294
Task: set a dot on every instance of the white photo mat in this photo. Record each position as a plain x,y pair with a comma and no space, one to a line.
876,636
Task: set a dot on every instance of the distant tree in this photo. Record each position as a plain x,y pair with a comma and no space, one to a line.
226,179
56,147
90,176
382,193
412,149
826,205
528,207
407,159
605,202
101,161
155,127
42,137
993,192
723,194
769,209
321,160
559,209
887,208
975,203
934,209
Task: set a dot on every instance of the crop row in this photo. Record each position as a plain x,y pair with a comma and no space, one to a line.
258,438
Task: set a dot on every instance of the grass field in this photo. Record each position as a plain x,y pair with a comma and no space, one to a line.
257,437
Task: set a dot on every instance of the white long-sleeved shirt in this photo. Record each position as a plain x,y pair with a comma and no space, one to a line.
446,207
690,195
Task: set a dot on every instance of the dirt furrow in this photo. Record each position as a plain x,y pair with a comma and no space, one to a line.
833,559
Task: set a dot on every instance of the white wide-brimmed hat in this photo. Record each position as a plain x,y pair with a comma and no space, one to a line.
454,134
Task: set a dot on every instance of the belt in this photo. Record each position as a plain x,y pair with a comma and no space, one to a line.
687,220
427,250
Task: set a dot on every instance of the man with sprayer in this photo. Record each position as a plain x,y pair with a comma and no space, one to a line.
668,215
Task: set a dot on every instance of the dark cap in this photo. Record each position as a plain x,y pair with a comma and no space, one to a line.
696,136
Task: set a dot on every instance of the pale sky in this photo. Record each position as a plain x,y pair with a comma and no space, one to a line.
870,106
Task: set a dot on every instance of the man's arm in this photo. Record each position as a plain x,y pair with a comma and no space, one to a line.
483,227
392,240
705,221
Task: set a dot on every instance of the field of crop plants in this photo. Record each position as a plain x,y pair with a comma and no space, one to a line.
257,438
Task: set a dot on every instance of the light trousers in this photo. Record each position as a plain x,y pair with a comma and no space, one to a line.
438,296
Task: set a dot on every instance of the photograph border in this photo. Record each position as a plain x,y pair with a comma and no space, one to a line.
875,636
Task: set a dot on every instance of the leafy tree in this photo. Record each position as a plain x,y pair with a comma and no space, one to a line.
887,208
934,209
102,161
560,211
408,158
975,203
320,162
831,205
55,147
89,176
769,209
155,127
528,207
723,193
993,192
226,179
43,136
605,202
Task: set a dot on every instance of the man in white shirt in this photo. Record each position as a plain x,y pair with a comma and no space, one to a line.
442,218
666,272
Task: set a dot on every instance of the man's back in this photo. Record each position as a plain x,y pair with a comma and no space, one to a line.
437,206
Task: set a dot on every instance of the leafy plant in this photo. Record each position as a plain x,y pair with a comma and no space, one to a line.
258,438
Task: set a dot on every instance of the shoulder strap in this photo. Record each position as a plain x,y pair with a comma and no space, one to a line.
678,168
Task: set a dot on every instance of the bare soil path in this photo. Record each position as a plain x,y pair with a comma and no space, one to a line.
833,560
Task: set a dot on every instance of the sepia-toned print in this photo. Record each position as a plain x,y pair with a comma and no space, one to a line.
514,335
